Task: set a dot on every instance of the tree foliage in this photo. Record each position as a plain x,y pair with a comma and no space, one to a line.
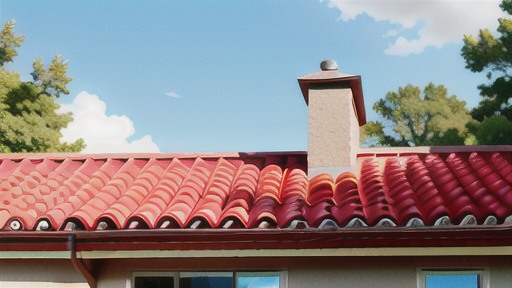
29,122
9,43
494,130
427,118
493,55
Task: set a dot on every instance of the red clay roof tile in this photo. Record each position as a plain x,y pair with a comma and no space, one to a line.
122,193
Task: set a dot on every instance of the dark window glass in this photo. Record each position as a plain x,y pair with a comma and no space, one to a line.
154,282
453,281
206,280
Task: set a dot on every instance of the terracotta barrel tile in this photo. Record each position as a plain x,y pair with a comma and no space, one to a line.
16,191
4,216
503,167
56,217
321,188
288,212
24,187
429,197
315,214
373,196
14,181
492,180
6,168
149,215
40,207
235,212
485,200
46,167
124,209
158,202
135,195
269,183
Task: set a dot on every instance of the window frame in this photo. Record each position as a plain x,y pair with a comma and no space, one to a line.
421,274
132,273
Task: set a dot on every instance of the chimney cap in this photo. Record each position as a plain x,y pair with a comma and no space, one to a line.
328,64
330,75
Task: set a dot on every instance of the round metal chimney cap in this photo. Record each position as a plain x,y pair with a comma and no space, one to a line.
328,65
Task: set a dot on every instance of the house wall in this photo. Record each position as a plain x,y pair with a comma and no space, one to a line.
302,271
39,270
312,271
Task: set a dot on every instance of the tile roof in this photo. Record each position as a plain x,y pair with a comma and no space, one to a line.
109,192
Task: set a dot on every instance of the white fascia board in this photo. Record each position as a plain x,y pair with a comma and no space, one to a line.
338,252
408,251
35,254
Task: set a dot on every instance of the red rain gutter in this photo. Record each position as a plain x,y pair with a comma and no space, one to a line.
46,241
78,264
244,239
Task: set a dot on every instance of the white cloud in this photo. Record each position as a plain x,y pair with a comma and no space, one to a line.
391,33
172,94
102,133
445,21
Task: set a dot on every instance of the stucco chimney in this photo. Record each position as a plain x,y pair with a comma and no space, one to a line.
336,110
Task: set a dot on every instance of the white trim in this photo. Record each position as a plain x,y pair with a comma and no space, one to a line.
484,272
35,254
408,251
283,279
391,251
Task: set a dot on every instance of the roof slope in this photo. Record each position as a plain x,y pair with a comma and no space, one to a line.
106,192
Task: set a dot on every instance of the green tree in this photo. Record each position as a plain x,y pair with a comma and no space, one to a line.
494,130
427,118
27,109
371,133
492,55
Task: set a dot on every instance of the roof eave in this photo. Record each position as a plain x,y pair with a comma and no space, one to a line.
243,239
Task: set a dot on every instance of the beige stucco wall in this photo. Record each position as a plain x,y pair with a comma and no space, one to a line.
302,271
333,130
317,271
40,270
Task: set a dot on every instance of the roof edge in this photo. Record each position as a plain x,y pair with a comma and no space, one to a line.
83,156
362,152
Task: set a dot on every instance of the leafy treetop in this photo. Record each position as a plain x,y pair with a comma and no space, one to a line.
420,118
9,43
493,54
27,109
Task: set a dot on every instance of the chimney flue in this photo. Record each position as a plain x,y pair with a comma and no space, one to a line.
328,65
336,110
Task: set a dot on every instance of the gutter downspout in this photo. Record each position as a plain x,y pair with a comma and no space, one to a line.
78,264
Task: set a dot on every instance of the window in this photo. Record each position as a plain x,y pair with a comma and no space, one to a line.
152,279
258,279
205,279
450,278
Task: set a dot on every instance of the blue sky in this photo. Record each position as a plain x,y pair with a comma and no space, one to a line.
221,76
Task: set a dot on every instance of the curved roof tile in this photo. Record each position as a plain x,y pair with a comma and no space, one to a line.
124,193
